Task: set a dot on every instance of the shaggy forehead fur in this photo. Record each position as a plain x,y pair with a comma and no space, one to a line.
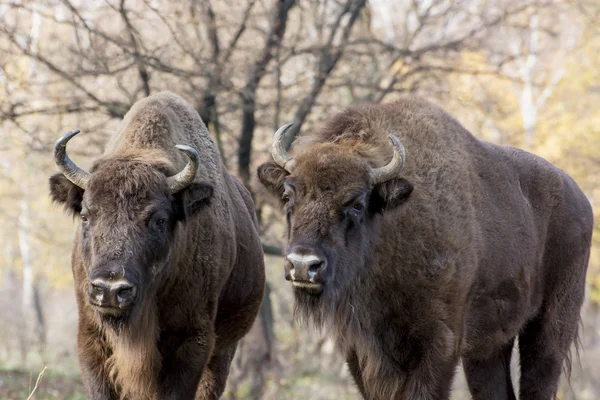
326,166
358,132
130,178
341,154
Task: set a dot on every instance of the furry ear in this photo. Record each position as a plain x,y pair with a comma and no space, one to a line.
390,194
65,192
192,198
271,176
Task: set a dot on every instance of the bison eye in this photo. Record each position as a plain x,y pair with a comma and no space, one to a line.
285,198
84,218
358,207
157,223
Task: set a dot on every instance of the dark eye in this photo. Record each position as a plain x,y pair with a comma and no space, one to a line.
161,222
285,198
358,207
84,218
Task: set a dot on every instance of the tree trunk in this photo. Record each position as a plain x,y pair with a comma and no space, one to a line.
27,300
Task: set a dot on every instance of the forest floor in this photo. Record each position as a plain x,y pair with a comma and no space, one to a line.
19,385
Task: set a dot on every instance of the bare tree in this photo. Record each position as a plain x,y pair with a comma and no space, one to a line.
248,93
534,90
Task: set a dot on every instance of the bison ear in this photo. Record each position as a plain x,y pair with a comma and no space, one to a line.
65,192
390,194
271,176
192,198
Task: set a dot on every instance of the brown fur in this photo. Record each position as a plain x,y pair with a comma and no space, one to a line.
200,279
472,245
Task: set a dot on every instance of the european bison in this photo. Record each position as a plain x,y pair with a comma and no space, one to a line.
167,260
467,248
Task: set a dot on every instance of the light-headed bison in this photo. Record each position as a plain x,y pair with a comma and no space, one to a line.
167,260
468,247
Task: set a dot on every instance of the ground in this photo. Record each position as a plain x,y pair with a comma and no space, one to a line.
17,385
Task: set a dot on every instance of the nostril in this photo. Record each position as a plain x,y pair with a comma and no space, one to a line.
98,288
125,295
98,292
125,292
316,267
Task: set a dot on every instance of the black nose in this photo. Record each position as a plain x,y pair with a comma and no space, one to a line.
119,294
304,264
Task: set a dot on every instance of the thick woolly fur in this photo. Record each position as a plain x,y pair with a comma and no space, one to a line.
471,246
199,275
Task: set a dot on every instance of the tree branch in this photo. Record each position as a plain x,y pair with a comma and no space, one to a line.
238,33
142,71
114,109
248,93
272,250
327,62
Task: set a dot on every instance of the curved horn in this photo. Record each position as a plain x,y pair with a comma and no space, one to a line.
391,170
71,171
184,178
279,152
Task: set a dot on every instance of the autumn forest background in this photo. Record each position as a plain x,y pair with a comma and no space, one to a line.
524,73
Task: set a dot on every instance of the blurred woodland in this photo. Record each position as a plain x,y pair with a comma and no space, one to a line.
518,72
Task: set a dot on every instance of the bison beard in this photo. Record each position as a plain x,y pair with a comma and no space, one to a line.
341,314
135,361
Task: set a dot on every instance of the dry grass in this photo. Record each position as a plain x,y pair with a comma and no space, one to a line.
37,382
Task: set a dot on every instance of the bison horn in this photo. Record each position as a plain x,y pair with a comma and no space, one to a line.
391,170
279,152
184,178
71,171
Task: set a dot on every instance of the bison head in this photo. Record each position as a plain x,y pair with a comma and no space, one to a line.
129,210
332,199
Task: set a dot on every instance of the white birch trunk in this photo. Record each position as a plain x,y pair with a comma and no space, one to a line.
28,319
531,97
30,327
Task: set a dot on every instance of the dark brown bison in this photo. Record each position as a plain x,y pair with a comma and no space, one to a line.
467,248
167,261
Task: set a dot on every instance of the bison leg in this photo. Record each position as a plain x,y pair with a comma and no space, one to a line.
354,367
490,378
544,347
422,370
97,385
430,359
215,375
92,351
181,370
545,341
425,384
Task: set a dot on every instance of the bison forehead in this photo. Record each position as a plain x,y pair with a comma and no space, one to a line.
116,179
331,166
